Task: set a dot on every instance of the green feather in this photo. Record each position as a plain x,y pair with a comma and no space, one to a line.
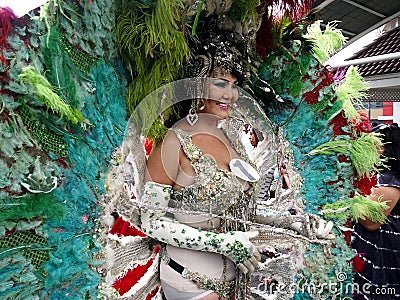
196,20
30,206
326,43
358,207
350,92
45,92
363,152
244,10
152,40
363,208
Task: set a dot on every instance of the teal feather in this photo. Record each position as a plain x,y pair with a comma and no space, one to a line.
84,183
325,179
100,94
27,207
19,280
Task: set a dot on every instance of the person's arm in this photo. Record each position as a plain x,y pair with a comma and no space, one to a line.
381,194
163,162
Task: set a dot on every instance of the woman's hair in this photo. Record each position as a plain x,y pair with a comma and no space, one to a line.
258,134
391,140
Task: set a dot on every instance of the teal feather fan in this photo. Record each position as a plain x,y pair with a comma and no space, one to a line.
19,278
90,153
62,86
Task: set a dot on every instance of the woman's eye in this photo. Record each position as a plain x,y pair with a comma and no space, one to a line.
220,83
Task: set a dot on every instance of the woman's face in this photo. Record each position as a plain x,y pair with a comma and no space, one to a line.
253,139
221,92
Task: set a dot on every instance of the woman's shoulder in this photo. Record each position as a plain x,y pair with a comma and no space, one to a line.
182,126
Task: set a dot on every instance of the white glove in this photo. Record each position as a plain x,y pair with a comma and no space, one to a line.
252,263
235,245
313,226
309,225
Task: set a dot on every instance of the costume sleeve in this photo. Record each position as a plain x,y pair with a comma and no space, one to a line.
154,223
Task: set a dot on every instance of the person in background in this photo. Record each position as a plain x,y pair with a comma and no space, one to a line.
378,245
285,177
258,152
255,137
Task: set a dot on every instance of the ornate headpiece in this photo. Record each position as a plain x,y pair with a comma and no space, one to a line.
218,43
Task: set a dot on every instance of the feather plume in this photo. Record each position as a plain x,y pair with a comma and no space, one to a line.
363,151
152,41
350,92
325,43
358,207
45,92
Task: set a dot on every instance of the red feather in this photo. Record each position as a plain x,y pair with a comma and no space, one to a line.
365,184
358,263
338,122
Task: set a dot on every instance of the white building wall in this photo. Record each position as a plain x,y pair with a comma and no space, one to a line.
396,112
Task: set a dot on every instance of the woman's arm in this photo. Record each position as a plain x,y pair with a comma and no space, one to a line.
381,194
308,225
163,162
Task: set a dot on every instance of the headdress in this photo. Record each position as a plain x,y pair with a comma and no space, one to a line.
216,45
175,40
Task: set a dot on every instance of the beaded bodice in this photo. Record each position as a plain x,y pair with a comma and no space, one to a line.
213,190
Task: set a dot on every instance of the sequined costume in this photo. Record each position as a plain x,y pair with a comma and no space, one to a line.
214,189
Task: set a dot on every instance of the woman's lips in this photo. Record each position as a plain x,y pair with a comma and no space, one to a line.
223,106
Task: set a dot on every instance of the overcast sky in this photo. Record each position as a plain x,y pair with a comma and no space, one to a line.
21,7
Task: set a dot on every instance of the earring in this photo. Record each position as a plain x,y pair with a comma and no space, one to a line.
201,105
192,116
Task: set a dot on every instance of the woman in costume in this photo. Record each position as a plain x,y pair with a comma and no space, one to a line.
199,195
378,245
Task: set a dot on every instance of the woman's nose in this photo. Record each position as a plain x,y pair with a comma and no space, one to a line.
227,95
229,92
